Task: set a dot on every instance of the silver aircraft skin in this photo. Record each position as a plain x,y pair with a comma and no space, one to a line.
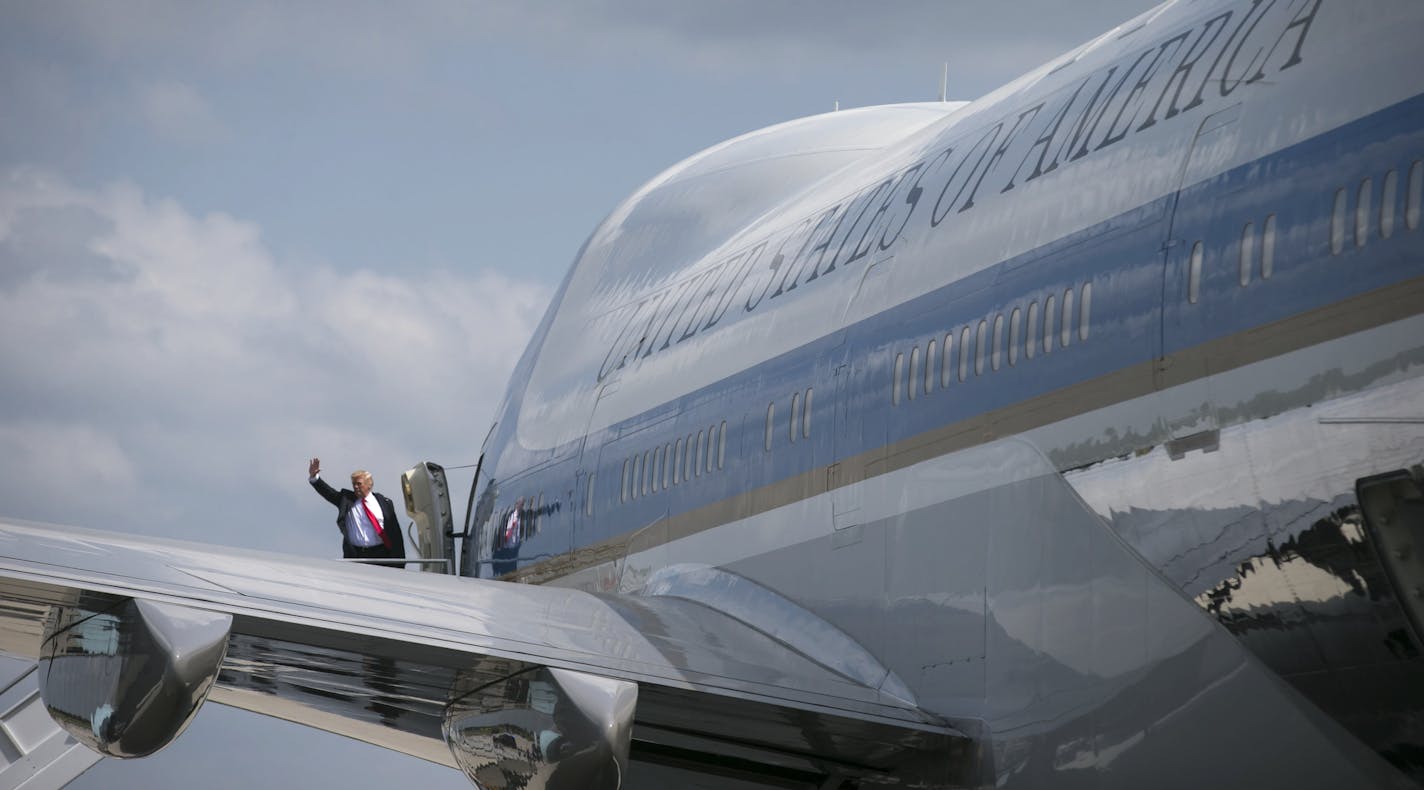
1069,437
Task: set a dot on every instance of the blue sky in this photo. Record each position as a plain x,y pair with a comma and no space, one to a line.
233,236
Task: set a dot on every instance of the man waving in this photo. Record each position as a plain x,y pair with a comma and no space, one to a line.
367,520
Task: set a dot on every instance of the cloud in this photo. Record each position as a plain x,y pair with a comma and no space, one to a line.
44,458
175,357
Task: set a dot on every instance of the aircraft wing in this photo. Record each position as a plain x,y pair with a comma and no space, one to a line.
514,684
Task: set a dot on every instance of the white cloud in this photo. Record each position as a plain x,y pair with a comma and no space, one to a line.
176,357
45,459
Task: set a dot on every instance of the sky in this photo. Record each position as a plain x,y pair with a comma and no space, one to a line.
234,236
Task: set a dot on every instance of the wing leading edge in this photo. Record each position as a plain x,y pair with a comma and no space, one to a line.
508,682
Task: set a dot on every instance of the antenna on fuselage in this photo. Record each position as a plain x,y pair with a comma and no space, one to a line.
944,83
837,108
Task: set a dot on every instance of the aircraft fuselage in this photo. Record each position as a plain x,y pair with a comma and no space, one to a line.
1090,409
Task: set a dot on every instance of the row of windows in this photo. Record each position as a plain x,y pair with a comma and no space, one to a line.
1364,221
1246,258
799,426
1365,218
983,344
672,464
1246,262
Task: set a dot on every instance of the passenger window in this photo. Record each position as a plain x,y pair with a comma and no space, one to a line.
1268,247
1085,310
796,410
1337,223
665,464
946,368
658,459
677,461
588,494
912,382
687,467
637,475
770,421
1194,274
1388,196
1416,195
711,447
722,441
623,486
996,358
1031,331
1014,319
1362,212
895,386
697,457
981,342
1050,314
647,472
805,416
965,347
1065,335
1248,238
929,366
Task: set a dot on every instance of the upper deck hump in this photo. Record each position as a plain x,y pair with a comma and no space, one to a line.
679,225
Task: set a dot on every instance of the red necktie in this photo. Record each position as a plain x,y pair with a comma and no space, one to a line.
381,533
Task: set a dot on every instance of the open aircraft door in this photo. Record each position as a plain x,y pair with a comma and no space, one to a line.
432,526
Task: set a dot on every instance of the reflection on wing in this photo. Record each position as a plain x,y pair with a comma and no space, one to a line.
519,680
35,749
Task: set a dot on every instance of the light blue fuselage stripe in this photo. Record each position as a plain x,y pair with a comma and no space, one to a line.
1138,312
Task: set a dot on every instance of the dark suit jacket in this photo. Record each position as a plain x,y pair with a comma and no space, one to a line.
345,499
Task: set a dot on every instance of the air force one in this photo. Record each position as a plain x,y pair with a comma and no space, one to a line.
1069,437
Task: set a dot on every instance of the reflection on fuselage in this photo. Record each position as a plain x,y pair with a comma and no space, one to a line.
1265,533
1211,341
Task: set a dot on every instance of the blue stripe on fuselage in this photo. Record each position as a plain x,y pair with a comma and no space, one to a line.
1133,270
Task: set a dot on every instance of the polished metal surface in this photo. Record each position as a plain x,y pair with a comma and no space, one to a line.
309,645
126,678
1170,547
1176,579
432,527
1008,601
38,752
1266,530
779,618
544,729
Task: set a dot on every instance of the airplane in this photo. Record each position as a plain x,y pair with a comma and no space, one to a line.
1071,436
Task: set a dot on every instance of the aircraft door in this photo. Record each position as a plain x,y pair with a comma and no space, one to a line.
1192,270
432,526
842,476
596,492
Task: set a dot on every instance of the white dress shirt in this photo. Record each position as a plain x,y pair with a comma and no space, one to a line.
358,526
359,531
